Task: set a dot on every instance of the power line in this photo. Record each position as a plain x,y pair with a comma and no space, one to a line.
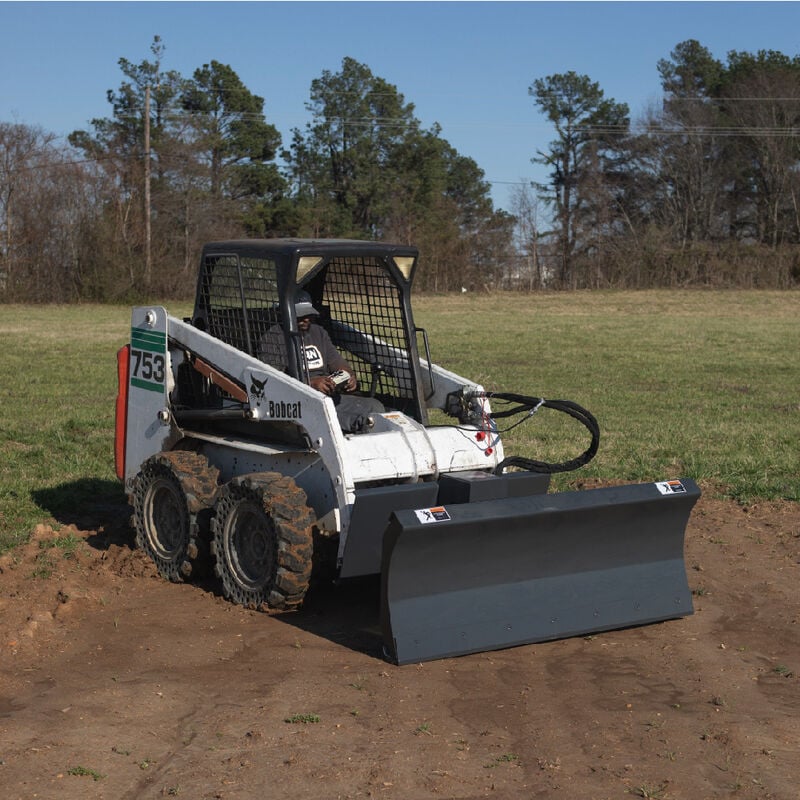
634,129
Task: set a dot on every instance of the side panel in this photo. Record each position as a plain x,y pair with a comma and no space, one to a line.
148,427
242,458
499,573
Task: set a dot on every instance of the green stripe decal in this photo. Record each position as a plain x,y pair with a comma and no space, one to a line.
152,341
151,387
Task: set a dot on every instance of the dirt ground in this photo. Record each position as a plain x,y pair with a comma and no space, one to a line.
116,684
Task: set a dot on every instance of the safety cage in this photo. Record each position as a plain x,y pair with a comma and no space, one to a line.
246,293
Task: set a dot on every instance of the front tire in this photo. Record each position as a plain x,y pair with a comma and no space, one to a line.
262,541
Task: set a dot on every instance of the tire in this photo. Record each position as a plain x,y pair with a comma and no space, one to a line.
262,541
171,494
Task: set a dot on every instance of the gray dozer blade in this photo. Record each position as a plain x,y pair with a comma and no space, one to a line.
487,575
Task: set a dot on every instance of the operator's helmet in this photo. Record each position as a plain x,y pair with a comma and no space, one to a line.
303,306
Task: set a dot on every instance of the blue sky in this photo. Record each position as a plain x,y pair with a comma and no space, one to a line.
464,65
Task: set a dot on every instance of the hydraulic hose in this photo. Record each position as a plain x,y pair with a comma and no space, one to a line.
529,406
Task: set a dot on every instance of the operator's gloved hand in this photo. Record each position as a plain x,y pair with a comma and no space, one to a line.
324,384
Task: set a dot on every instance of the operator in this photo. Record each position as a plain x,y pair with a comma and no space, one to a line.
323,361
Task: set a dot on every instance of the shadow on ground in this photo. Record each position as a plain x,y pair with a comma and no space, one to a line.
90,504
347,614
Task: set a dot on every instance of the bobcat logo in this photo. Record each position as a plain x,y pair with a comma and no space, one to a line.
257,387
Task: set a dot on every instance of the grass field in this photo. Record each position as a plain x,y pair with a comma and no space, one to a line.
683,383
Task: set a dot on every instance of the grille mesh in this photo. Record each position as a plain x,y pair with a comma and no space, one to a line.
360,305
367,322
242,310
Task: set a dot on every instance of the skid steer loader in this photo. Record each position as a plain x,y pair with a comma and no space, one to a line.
228,454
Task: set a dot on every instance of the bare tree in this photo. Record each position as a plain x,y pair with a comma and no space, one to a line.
43,199
528,234
23,152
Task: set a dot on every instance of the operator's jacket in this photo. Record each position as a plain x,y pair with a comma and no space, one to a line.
321,355
322,358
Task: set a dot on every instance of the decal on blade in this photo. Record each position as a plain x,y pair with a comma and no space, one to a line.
426,515
671,487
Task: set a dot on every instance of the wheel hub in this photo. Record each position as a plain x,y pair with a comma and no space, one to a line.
166,523
250,550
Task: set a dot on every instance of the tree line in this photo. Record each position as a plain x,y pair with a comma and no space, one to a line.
702,190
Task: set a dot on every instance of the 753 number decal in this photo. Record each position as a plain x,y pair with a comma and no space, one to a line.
147,366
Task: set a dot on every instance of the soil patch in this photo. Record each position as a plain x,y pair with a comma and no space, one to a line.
116,684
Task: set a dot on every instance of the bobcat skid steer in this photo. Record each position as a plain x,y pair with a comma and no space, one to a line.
227,452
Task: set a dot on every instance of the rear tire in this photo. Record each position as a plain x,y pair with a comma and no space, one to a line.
172,490
262,541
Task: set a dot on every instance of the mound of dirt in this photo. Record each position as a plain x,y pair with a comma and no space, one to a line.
117,684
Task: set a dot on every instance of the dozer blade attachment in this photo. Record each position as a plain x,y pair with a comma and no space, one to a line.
487,575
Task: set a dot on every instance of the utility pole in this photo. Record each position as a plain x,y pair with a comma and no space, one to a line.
148,264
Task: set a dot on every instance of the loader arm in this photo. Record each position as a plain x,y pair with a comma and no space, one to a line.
395,362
